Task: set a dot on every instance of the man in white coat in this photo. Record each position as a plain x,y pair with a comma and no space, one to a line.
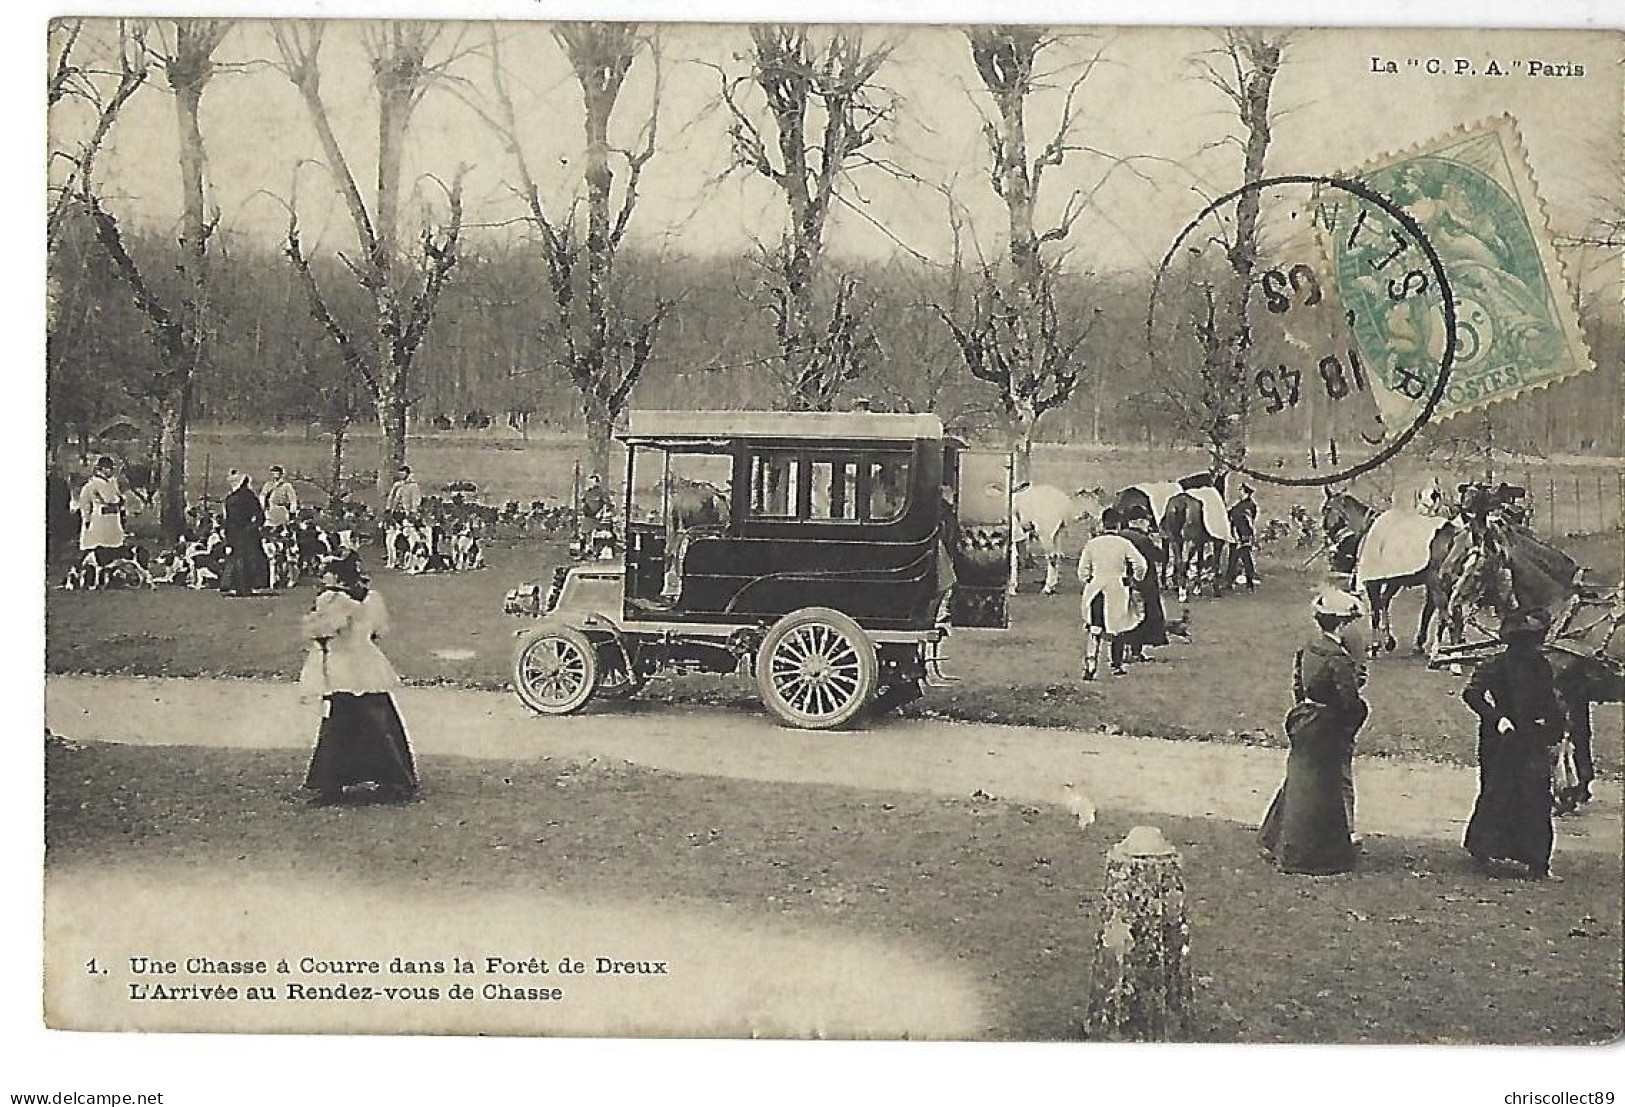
279,499
405,499
1108,569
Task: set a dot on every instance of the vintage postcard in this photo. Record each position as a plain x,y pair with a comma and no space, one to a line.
972,533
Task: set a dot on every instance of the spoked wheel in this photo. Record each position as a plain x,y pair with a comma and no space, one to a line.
816,669
556,670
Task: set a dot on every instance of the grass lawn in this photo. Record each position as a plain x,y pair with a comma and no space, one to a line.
1412,948
1230,683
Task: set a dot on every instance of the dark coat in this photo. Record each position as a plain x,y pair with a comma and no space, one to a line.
1244,520
61,523
1307,828
1512,819
1153,628
593,501
244,512
246,568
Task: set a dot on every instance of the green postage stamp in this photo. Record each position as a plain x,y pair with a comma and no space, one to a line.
1473,198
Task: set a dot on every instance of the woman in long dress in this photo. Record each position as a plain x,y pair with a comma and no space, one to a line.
101,514
1310,826
1153,628
362,749
1519,722
248,570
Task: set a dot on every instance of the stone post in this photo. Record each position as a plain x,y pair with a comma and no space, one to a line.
1140,986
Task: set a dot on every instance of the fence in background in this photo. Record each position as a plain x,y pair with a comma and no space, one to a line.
1567,503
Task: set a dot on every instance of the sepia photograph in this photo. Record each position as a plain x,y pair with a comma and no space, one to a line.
948,532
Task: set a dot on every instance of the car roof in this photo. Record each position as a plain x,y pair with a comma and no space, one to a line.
676,427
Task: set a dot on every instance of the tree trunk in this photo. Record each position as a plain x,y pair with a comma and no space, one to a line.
600,426
1026,428
1140,985
336,484
190,72
1253,106
395,93
394,116
392,449
172,462
1024,455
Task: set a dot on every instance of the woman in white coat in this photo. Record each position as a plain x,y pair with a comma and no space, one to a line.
101,514
361,750
1108,569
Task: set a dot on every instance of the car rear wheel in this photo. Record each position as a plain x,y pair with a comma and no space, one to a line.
555,670
816,669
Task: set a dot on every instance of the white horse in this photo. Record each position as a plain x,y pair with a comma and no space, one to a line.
1041,512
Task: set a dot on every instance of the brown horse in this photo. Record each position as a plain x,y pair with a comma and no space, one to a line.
1499,568
695,503
1192,552
1345,521
690,504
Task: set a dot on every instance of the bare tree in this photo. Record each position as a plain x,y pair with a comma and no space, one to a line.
403,296
932,378
332,400
603,343
86,78
1013,337
74,81
826,116
1605,230
178,325
1242,68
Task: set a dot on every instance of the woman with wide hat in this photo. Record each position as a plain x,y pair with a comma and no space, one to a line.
362,752
1310,826
1519,723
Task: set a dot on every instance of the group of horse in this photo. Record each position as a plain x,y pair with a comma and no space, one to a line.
1476,564
1189,515
1471,562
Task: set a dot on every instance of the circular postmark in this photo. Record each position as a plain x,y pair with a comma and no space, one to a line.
1331,338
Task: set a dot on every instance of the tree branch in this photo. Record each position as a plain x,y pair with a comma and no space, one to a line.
439,258
132,74
352,355
299,45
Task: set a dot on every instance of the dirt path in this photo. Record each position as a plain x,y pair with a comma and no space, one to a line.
1030,764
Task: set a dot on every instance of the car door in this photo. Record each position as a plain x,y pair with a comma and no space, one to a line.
978,539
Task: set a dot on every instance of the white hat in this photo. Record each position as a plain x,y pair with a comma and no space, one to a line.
1335,601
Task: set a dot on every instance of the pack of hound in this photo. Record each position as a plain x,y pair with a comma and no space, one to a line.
198,557
427,545
129,567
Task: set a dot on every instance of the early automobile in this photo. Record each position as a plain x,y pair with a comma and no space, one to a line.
825,554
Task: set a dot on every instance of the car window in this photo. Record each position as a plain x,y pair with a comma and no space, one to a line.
775,484
835,489
888,488
822,486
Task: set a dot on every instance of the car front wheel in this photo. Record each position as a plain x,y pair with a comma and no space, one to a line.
555,671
